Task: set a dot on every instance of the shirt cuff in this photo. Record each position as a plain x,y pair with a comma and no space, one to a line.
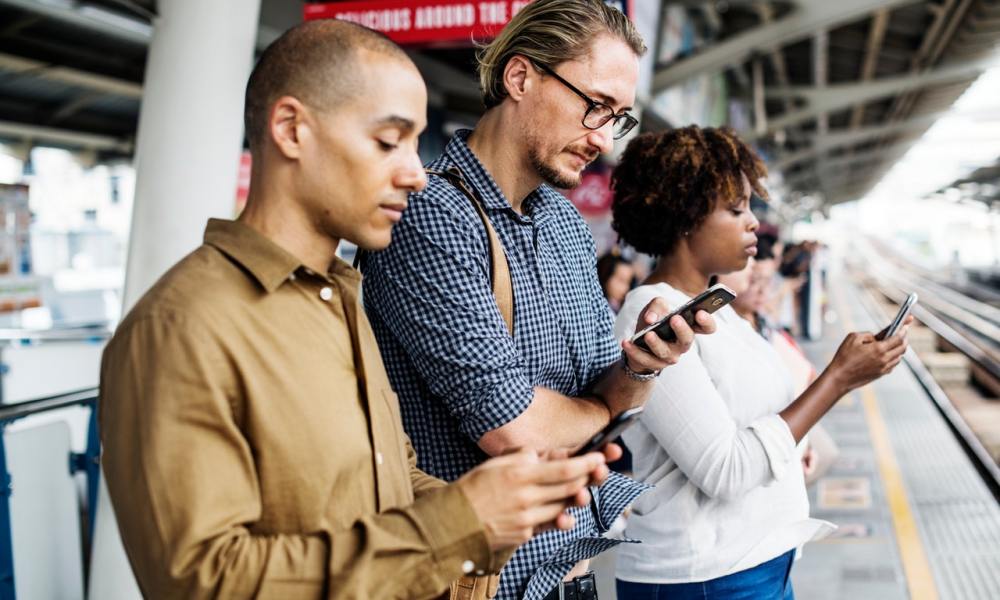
504,403
614,496
456,536
778,443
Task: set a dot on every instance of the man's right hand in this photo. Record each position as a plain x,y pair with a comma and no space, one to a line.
517,495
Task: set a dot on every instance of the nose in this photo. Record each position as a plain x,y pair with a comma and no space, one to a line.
754,222
411,175
603,138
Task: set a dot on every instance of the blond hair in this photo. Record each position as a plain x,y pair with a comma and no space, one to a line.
550,32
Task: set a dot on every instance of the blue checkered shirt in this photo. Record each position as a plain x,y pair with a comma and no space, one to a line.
449,354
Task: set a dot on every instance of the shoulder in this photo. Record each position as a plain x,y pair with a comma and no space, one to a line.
202,290
438,211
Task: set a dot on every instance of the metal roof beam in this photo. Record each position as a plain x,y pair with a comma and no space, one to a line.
843,95
842,138
24,67
876,34
807,18
62,137
851,162
100,21
111,23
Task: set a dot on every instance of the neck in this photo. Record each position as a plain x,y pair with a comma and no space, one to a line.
679,270
495,143
747,314
276,214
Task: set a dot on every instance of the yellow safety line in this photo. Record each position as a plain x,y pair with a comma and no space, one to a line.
916,567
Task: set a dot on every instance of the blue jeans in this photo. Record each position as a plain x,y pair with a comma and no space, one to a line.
767,581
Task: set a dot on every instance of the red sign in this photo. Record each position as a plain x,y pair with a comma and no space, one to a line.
593,196
243,181
428,21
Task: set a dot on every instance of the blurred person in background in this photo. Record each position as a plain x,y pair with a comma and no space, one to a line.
616,274
753,286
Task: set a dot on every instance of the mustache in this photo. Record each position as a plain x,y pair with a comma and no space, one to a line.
588,153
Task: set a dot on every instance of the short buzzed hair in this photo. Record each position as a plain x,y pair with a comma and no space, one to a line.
315,62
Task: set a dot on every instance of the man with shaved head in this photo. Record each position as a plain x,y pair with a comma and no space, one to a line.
252,444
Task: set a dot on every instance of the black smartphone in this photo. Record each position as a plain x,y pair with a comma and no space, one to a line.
897,321
709,301
610,432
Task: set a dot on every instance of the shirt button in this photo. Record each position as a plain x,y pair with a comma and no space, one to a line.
326,293
378,458
480,572
468,566
291,277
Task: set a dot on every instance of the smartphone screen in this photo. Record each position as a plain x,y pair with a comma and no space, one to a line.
709,301
897,321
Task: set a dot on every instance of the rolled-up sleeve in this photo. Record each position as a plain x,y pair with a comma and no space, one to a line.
431,290
183,483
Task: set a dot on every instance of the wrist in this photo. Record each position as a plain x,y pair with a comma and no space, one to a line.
836,382
637,375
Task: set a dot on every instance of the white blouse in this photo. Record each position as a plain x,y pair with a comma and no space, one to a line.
729,492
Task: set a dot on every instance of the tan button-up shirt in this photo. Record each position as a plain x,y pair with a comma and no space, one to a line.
253,446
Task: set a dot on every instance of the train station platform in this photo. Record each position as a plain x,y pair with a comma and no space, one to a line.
916,519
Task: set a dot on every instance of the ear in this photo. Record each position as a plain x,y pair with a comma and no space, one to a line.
518,76
286,126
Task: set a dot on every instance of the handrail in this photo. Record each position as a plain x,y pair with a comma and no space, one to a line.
86,332
11,412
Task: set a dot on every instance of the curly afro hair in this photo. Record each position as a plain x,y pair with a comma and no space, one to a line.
667,183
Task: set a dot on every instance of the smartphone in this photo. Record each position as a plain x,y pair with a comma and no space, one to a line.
897,321
709,301
611,432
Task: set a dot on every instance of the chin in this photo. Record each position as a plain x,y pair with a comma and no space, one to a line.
374,241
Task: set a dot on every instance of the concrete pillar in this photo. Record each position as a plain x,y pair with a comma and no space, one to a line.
190,131
187,158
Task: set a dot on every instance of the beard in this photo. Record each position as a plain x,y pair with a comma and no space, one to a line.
550,174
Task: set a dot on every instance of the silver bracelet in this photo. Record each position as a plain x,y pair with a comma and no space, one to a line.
633,375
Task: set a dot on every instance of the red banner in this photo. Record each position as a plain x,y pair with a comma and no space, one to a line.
593,196
428,21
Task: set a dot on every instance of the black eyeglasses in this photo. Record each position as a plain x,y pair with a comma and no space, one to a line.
598,114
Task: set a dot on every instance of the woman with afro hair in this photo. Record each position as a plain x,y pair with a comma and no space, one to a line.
719,434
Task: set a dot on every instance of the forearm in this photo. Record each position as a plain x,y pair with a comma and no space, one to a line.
415,551
815,402
618,391
551,421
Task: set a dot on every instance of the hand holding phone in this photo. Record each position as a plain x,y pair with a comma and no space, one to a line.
897,321
709,301
611,431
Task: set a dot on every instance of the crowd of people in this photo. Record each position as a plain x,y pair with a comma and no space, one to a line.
275,426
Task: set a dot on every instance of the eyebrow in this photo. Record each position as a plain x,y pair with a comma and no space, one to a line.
402,123
609,100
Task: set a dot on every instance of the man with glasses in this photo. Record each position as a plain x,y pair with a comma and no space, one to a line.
558,83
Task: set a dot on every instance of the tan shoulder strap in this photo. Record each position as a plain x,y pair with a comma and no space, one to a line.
503,286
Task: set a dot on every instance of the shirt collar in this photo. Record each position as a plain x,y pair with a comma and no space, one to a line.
268,262
482,182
